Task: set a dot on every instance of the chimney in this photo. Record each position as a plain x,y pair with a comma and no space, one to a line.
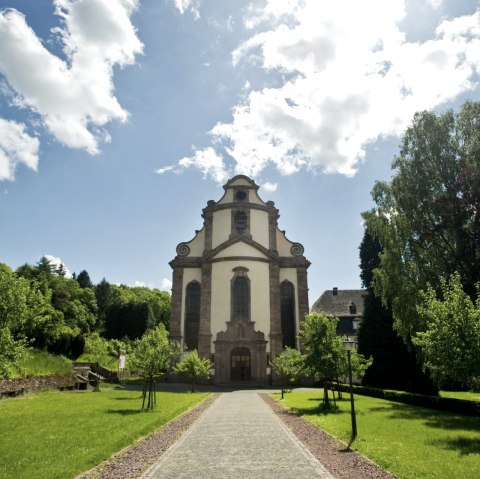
335,291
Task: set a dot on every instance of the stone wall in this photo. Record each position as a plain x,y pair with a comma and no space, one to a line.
38,383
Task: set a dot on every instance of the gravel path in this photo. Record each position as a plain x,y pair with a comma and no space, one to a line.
239,437
341,463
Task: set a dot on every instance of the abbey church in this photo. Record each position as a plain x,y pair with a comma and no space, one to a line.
239,286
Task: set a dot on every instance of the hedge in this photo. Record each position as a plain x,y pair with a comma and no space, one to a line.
458,406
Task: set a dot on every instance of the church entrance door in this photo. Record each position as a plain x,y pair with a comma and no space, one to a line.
240,364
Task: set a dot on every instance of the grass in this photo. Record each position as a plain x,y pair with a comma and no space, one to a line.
41,363
470,396
57,435
411,442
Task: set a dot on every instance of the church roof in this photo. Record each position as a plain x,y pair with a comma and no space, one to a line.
337,302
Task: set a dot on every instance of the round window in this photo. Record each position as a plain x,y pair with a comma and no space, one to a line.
240,195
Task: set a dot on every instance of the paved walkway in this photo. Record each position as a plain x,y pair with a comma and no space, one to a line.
238,437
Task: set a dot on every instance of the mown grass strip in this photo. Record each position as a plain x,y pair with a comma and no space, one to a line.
469,396
411,442
57,435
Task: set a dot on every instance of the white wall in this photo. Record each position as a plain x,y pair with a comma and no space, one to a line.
197,245
222,227
283,245
222,275
259,227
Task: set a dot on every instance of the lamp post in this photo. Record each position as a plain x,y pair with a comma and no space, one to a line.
350,346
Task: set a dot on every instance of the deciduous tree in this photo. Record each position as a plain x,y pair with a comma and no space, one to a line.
427,218
450,344
152,355
194,367
289,365
324,352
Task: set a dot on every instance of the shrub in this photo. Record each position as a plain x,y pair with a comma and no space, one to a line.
458,406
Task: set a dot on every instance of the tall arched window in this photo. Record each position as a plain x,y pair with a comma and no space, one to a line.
287,314
241,297
192,315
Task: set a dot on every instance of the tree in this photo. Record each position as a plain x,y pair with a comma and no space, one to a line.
128,319
289,365
11,353
44,323
151,357
194,367
97,349
104,296
324,352
427,219
394,365
13,315
450,344
83,280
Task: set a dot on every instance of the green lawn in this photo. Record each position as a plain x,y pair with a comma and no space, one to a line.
470,396
60,434
411,442
41,363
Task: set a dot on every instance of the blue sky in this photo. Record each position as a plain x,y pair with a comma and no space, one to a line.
120,119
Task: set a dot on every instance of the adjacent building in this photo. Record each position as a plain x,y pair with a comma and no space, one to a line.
240,286
345,304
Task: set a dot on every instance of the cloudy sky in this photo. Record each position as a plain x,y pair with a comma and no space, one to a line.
120,119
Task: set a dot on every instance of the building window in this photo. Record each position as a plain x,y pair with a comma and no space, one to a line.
241,297
192,315
240,221
353,308
287,314
240,195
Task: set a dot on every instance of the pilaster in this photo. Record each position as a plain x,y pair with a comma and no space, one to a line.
177,300
205,333
275,320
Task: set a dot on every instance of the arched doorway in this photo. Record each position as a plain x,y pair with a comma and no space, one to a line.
240,364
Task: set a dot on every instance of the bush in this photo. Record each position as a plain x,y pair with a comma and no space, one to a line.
68,344
458,406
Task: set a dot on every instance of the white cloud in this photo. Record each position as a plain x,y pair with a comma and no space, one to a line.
74,98
207,160
188,5
16,146
56,262
271,187
345,80
166,284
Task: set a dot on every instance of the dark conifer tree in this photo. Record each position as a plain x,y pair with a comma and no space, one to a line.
395,366
83,280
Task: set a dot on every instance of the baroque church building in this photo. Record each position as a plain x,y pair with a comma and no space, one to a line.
239,287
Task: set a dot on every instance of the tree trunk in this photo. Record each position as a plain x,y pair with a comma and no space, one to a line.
144,393
326,399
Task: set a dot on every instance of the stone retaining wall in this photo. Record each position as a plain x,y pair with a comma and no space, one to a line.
37,383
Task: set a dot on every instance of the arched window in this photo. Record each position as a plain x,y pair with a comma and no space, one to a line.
287,314
192,315
241,297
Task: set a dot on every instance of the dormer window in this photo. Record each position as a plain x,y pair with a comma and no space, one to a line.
353,308
240,221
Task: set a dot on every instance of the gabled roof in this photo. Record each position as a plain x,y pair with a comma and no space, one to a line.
339,304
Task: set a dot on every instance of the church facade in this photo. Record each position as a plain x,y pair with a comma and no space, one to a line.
239,289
